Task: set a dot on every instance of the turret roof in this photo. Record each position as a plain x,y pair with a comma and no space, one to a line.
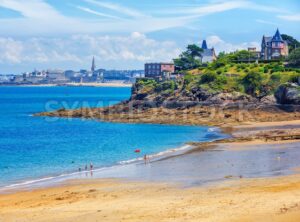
277,37
204,44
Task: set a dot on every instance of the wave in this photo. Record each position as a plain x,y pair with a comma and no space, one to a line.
213,129
157,155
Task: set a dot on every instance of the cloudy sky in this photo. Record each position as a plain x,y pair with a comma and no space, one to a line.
125,34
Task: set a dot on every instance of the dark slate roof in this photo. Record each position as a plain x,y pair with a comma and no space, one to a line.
204,44
267,39
277,37
207,52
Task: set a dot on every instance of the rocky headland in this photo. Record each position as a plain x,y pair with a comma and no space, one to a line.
196,106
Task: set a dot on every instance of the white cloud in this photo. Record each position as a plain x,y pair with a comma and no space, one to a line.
134,49
267,22
222,46
29,9
88,10
207,9
118,8
10,50
295,17
40,18
196,10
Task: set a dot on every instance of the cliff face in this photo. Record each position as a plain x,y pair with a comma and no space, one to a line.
182,98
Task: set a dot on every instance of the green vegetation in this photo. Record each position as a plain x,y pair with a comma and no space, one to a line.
248,78
151,85
189,59
231,72
293,43
294,57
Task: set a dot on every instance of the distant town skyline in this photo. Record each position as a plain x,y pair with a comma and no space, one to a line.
67,34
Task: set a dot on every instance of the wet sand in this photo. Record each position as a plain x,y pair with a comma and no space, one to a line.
238,181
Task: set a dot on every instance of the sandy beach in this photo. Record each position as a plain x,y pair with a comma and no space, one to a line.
108,84
244,200
246,181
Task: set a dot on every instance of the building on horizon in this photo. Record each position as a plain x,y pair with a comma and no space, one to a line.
157,70
274,47
55,76
208,54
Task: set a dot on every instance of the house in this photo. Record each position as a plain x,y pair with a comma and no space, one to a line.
274,47
156,70
255,52
208,55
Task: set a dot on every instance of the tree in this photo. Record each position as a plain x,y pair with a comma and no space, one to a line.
189,59
294,57
293,43
244,55
238,56
194,50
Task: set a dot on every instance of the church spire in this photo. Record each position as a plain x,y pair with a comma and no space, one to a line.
93,65
204,44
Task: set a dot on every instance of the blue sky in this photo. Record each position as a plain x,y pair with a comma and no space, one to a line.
125,34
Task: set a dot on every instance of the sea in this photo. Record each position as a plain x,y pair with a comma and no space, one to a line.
33,148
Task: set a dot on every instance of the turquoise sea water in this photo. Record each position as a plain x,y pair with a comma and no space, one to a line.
36,147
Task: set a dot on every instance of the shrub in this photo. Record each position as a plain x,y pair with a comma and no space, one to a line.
253,83
295,77
208,77
166,85
221,80
262,70
274,81
188,78
146,81
275,77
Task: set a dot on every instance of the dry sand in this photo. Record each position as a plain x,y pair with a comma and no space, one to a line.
273,199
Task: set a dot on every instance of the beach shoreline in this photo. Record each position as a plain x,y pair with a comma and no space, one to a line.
244,134
254,194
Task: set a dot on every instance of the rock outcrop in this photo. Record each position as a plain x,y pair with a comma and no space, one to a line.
288,94
193,97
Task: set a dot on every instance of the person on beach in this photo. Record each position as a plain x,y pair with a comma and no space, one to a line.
86,167
91,166
145,158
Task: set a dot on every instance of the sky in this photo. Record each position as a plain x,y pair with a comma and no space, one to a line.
125,34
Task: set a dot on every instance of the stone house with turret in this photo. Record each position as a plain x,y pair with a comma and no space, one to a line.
274,47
